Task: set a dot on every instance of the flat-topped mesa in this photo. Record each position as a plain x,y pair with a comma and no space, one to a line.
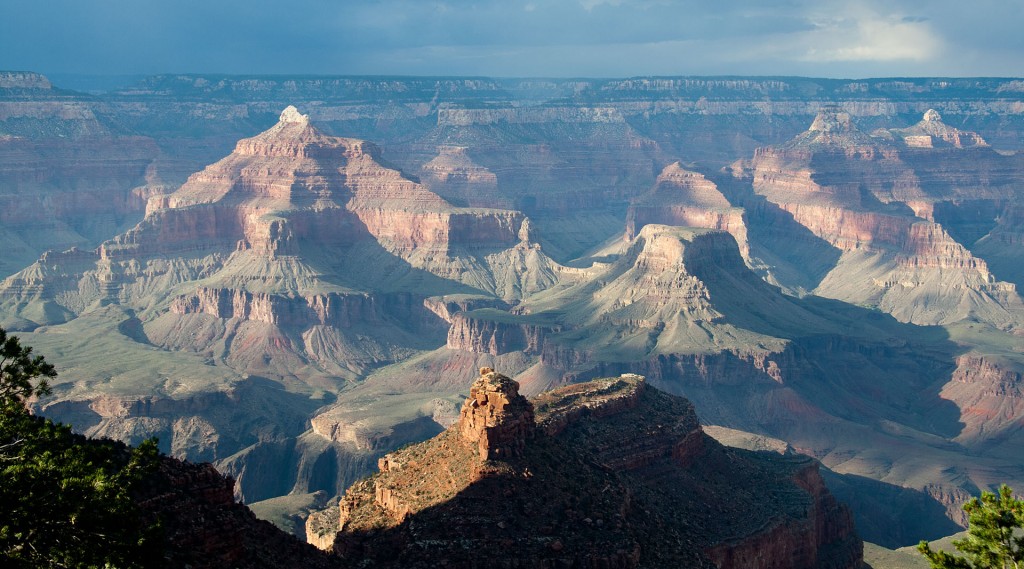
23,80
496,417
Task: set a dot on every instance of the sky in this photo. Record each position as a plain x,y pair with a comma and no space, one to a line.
516,38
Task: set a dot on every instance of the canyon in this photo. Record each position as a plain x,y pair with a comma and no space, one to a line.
831,264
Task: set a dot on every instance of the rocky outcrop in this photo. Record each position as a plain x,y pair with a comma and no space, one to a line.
457,178
586,490
321,527
496,418
448,306
931,132
989,394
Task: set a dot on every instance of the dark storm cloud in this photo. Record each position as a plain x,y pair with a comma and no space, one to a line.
515,37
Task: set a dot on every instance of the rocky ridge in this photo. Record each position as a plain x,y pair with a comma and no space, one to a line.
688,199
202,525
456,496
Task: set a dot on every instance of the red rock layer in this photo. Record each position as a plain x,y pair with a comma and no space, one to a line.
294,184
990,396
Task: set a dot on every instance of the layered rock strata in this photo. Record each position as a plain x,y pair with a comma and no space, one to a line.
856,193
496,417
66,180
300,260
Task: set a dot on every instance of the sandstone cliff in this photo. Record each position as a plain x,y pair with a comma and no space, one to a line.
580,487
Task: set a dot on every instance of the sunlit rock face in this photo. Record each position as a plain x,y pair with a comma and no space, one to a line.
310,301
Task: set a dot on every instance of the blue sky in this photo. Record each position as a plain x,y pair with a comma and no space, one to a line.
553,38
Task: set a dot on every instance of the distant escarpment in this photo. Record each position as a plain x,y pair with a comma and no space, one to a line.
608,473
493,332
66,180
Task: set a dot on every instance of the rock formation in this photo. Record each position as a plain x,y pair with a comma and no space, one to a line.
301,306
496,418
612,474
857,194
931,132
680,307
454,176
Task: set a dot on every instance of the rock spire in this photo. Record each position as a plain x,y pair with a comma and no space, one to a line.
496,417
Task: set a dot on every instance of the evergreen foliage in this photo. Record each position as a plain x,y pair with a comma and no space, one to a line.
65,501
994,539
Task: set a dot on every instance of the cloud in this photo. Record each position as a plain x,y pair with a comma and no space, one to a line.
846,38
872,37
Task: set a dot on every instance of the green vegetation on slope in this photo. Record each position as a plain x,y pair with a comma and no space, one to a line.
994,539
64,501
